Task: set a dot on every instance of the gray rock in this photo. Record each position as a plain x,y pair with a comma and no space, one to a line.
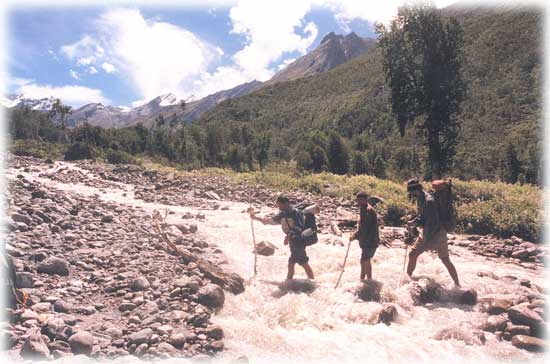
211,296
178,339
140,284
24,280
388,314
297,286
126,306
140,337
54,266
34,347
56,329
215,332
514,330
522,315
61,306
82,343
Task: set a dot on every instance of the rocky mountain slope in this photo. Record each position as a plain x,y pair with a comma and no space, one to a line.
331,52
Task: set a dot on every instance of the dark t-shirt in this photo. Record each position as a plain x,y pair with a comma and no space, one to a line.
367,233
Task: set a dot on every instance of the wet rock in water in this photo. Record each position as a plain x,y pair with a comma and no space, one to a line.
495,323
140,337
54,266
370,291
140,284
514,330
495,306
425,291
82,343
34,347
211,296
529,343
215,332
468,297
457,333
388,314
265,248
234,283
297,286
522,315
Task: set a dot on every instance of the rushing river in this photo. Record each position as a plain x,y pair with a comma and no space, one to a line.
332,325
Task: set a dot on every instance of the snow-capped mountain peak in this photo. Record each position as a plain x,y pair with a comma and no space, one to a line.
43,104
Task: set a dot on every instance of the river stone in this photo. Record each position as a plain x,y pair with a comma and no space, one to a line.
468,297
57,329
529,343
140,284
498,306
61,306
34,347
82,343
495,323
370,290
425,290
514,330
24,280
388,314
215,332
178,339
265,248
166,348
211,296
140,337
54,266
126,306
522,315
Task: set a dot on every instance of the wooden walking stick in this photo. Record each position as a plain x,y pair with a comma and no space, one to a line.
253,237
345,260
405,259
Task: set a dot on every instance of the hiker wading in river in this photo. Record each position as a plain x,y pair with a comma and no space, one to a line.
367,234
434,234
292,222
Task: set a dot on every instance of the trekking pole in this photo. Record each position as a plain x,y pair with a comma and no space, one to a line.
405,259
345,260
253,237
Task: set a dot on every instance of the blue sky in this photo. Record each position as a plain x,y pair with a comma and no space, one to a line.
126,55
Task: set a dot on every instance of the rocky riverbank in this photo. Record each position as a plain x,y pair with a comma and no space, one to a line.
99,280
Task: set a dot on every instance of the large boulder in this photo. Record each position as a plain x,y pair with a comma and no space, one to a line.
211,296
57,329
529,343
495,323
370,291
54,266
496,306
24,280
265,248
82,343
522,315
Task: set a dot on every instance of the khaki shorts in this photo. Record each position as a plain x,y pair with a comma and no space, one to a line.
438,243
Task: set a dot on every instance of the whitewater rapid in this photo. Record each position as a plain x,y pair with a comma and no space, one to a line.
333,325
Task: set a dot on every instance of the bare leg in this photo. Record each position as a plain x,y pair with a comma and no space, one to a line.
366,269
290,273
413,256
309,271
451,269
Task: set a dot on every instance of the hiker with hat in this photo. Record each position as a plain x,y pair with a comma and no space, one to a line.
435,219
300,232
367,234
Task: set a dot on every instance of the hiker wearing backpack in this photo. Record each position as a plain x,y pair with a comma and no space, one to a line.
436,217
300,229
367,234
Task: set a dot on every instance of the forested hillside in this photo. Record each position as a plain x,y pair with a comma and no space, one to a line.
499,135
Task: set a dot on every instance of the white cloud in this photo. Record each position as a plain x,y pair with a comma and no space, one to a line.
107,67
70,94
74,74
92,70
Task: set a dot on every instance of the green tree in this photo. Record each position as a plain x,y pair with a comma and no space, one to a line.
512,165
59,112
338,154
422,59
262,145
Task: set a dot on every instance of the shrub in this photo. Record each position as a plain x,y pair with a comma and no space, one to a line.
119,157
81,150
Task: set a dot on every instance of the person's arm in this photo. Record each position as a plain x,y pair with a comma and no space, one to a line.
266,220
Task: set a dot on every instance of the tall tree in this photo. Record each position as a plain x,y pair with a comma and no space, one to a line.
338,154
423,56
58,112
